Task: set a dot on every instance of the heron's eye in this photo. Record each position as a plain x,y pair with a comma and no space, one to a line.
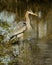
24,23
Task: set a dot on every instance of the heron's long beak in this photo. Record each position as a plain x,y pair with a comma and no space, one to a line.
34,14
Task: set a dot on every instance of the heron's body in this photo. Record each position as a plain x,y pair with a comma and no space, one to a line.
18,30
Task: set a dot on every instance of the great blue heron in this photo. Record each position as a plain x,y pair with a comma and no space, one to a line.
21,26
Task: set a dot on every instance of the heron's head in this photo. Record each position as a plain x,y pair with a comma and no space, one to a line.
31,12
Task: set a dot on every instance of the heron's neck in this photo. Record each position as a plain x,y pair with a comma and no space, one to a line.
28,22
